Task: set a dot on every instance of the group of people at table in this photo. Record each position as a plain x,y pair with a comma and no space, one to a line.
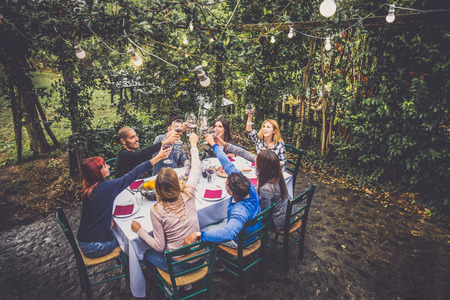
174,216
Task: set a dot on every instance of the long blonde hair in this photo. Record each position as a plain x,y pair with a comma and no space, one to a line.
276,136
167,187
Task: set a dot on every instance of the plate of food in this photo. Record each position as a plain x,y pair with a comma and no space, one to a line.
221,172
147,190
125,210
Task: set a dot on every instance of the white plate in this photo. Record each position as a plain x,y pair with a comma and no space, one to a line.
135,210
211,187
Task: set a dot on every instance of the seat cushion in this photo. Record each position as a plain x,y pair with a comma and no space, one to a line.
247,251
294,226
95,261
185,279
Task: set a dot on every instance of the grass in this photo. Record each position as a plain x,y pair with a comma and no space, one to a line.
104,117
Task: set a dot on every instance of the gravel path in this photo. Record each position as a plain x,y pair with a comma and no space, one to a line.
355,249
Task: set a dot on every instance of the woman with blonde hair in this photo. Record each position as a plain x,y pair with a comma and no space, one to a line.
268,138
174,216
94,234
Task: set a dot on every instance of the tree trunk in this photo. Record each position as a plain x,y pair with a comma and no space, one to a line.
17,120
304,86
324,105
38,142
45,122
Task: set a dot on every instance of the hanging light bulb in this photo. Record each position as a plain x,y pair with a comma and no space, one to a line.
327,8
272,39
191,26
137,61
185,40
391,17
79,52
328,43
291,32
204,80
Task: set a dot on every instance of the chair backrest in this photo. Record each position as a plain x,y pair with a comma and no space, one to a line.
112,163
297,153
298,209
245,239
64,223
190,253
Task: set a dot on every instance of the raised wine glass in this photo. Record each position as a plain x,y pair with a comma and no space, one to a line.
168,146
250,108
203,120
191,121
178,127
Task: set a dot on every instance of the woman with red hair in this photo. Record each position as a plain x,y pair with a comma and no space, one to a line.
94,235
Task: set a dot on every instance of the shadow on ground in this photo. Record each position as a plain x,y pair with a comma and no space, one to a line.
355,249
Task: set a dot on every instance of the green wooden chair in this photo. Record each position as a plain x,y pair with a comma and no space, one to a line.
239,260
295,226
112,163
170,282
292,165
84,263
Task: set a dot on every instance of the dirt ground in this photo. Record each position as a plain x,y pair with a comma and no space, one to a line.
356,247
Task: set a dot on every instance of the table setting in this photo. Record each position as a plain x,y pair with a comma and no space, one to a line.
134,203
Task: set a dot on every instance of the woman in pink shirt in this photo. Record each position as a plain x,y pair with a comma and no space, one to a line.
174,216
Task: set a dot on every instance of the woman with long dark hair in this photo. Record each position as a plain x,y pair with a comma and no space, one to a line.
271,185
94,234
222,130
174,216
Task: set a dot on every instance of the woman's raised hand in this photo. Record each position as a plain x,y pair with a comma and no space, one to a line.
135,226
219,141
193,139
210,139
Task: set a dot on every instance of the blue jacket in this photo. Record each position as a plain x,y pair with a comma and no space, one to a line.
96,214
238,212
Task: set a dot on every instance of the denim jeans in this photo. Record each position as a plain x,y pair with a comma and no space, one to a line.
158,259
98,249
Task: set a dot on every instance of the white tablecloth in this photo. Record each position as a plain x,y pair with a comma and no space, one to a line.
209,212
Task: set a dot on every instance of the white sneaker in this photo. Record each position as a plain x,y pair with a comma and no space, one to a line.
187,287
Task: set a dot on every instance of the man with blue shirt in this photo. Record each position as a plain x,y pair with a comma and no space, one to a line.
243,205
177,156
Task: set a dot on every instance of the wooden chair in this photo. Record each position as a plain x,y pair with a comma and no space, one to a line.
292,165
112,163
170,282
84,263
295,226
250,250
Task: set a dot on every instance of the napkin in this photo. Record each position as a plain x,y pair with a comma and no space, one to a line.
136,184
231,159
123,210
211,194
253,181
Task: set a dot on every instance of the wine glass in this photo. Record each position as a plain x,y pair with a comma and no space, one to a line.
191,121
178,127
168,146
250,108
203,120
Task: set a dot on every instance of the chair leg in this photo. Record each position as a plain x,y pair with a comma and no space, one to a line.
286,251
126,268
301,248
241,276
